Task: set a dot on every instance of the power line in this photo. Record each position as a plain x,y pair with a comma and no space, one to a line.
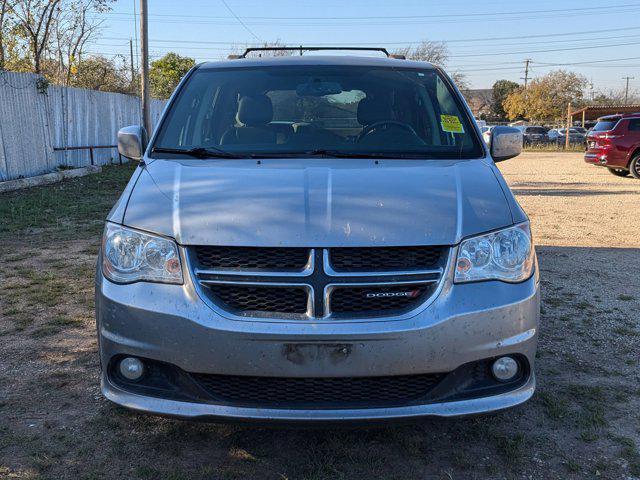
525,52
465,55
398,17
359,21
409,42
239,20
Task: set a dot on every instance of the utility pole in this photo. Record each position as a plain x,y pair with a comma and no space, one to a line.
626,90
566,133
144,50
526,72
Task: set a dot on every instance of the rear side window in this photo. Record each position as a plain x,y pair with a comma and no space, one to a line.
604,125
634,125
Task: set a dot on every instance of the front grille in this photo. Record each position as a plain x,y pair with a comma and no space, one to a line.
306,283
252,258
374,259
255,298
371,299
338,392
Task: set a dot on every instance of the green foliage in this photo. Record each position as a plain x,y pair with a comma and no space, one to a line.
101,73
166,73
501,90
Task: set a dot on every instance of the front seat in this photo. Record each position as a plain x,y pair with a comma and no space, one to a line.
254,114
371,111
393,134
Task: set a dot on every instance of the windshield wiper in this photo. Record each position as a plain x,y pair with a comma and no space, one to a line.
199,152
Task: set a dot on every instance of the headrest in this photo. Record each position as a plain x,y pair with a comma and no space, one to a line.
373,110
254,111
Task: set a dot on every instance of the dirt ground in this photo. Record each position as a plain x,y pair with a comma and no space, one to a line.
584,421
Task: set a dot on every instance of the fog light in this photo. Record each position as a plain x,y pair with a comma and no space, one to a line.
504,369
131,368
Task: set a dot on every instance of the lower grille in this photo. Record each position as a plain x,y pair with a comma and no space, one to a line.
378,298
245,299
336,392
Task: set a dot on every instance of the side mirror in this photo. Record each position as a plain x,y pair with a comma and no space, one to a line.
506,143
132,142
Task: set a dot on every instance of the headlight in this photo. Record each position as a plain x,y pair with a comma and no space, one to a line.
130,255
506,255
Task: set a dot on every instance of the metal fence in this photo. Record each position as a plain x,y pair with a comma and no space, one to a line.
38,124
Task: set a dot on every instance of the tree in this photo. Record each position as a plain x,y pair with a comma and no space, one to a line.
34,19
101,73
239,50
436,53
166,72
547,97
5,6
48,35
426,51
501,90
616,97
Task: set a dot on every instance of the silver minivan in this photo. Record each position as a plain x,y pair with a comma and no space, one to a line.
317,238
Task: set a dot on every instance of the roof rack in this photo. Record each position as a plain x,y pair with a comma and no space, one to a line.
302,49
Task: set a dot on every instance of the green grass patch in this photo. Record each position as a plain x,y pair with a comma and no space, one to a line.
73,208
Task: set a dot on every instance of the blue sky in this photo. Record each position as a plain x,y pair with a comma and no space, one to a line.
487,40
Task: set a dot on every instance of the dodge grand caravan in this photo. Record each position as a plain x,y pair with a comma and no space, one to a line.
317,238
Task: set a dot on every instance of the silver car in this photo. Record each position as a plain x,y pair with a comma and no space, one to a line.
317,238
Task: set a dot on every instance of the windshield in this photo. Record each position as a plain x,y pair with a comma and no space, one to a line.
308,110
536,130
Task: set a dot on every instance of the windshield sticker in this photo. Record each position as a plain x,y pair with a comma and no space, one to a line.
451,123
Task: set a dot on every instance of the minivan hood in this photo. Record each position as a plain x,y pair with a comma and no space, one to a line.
317,202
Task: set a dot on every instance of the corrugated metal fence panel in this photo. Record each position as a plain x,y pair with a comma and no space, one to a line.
33,123
23,127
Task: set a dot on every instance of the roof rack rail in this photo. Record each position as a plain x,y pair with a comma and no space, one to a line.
303,49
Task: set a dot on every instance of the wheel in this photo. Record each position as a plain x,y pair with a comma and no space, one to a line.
618,172
634,167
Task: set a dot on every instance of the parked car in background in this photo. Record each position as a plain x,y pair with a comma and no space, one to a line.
534,135
368,264
559,136
615,143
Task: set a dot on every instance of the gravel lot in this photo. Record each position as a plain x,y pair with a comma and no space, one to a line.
584,421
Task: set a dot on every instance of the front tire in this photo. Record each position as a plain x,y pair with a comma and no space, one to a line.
618,172
634,167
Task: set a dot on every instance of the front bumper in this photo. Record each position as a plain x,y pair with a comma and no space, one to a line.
208,412
171,323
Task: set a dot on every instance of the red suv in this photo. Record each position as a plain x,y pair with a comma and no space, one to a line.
615,143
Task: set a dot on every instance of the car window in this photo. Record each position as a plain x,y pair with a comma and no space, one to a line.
604,125
634,125
274,110
536,130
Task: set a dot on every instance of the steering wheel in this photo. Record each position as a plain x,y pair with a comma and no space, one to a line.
369,129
